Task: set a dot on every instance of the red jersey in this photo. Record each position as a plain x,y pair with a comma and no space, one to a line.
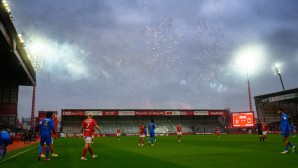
88,125
264,127
142,129
118,131
179,128
217,129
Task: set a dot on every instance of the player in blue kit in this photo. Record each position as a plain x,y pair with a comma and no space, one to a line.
151,129
285,129
46,126
4,141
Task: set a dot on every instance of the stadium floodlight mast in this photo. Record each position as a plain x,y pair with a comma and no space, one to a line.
276,70
244,62
249,59
37,63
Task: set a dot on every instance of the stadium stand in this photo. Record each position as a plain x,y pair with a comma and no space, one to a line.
192,121
15,70
266,106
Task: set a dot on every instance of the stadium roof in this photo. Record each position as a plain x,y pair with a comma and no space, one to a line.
287,96
14,61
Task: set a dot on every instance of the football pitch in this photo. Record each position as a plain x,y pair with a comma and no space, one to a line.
193,151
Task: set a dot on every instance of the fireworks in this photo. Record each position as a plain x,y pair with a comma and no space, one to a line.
209,41
162,44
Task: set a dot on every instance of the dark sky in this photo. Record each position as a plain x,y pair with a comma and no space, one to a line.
156,53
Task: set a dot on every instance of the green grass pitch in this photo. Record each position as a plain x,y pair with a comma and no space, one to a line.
239,151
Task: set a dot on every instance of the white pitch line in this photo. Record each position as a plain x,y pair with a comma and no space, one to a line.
19,153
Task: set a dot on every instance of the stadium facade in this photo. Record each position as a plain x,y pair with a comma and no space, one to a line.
15,69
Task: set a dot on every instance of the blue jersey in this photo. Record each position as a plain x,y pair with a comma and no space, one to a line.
284,123
4,139
4,135
46,125
151,127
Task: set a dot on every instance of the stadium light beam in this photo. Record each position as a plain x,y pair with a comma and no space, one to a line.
248,60
276,70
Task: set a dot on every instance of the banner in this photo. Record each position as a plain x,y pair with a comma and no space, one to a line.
172,113
145,112
95,113
110,113
217,113
203,113
150,113
73,113
126,113
187,113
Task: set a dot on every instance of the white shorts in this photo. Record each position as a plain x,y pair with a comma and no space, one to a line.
179,133
118,134
142,135
88,139
264,132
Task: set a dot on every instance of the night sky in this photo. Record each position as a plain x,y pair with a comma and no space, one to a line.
156,53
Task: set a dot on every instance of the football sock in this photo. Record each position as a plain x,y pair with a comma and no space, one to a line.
90,150
47,152
4,152
40,150
51,149
43,150
84,152
291,144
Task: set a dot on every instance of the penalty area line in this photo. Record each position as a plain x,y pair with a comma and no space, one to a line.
19,153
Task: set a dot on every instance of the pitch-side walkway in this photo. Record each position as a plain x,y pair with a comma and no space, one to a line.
19,144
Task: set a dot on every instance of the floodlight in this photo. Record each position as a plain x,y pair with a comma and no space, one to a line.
276,70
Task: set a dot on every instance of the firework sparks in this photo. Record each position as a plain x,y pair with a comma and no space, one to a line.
208,39
162,44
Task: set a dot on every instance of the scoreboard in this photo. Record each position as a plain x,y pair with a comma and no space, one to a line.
243,119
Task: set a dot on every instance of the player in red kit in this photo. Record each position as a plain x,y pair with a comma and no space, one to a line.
218,131
265,131
179,132
87,127
118,131
142,134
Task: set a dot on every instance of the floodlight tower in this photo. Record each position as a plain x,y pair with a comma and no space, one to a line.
247,72
276,70
250,59
246,65
37,63
249,95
